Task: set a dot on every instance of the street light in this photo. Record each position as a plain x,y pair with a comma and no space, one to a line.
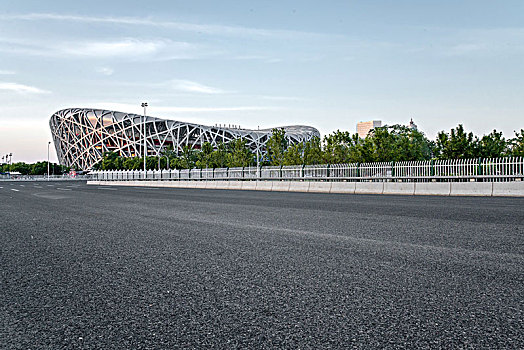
144,104
10,163
48,160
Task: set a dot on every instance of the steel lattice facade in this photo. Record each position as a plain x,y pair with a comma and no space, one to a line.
82,135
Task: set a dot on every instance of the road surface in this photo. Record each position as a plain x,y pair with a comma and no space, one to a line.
94,267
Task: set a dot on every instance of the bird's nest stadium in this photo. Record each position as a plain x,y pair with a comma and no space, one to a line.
82,135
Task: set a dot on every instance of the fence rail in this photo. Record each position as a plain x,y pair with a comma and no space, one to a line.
490,169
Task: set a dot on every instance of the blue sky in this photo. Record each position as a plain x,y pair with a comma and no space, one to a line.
326,64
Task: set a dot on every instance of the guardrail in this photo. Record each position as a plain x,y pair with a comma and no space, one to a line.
461,170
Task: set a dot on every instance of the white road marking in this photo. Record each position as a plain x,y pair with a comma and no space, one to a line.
63,189
107,188
50,185
13,189
22,185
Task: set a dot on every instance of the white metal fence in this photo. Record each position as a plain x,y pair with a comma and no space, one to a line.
496,169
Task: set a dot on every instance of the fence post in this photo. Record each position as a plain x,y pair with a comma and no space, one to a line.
302,175
328,170
392,169
479,167
243,173
227,173
432,168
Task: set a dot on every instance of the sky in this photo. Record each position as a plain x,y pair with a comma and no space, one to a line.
327,64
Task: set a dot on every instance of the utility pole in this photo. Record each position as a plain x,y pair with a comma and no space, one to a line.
144,104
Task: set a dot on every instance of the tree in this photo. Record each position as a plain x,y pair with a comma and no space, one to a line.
239,154
363,150
399,143
188,158
205,156
276,146
313,151
21,167
517,144
456,145
294,155
337,147
132,163
111,161
168,153
493,145
219,156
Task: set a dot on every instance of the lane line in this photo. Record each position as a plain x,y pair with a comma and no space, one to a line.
63,189
14,189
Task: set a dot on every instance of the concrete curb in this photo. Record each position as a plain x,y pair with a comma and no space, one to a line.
485,189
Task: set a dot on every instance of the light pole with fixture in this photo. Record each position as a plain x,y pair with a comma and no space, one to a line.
144,104
48,160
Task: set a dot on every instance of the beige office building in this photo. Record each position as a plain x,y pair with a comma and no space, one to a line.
364,127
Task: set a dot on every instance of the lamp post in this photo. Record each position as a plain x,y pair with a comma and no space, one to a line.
144,104
10,163
258,156
48,143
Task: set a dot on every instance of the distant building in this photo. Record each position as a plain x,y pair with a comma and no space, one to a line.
412,125
363,128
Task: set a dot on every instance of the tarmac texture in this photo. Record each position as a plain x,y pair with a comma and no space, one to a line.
101,267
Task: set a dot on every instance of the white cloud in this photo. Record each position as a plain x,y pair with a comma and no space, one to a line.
128,48
211,29
125,47
7,72
105,70
22,89
192,86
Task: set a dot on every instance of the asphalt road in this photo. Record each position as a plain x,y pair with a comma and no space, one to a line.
98,267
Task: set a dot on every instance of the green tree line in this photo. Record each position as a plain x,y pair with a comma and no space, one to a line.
384,144
38,168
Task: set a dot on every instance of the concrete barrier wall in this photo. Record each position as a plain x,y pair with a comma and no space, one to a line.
235,185
249,185
399,188
433,188
471,189
369,187
264,185
222,185
514,189
282,186
299,186
343,187
320,187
